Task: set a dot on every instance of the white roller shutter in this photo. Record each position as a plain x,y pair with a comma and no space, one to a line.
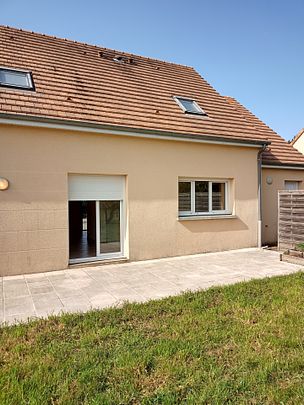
96,187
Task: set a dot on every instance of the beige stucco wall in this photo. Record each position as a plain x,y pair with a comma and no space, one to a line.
299,144
33,212
270,199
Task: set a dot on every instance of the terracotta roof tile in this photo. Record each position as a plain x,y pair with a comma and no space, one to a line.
81,82
280,152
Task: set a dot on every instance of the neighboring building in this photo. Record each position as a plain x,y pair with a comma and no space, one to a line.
298,141
282,169
116,156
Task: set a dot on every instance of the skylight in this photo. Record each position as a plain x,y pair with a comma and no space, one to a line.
16,78
189,106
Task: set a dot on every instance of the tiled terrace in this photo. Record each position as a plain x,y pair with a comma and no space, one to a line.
80,289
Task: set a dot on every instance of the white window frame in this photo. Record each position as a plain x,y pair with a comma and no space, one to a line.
200,110
226,211
28,75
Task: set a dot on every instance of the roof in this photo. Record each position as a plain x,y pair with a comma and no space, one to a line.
280,152
82,83
298,136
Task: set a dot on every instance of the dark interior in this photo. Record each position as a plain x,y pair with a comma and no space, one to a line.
82,229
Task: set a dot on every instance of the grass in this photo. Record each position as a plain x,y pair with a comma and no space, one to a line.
300,246
241,344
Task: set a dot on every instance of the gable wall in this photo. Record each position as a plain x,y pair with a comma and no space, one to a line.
299,144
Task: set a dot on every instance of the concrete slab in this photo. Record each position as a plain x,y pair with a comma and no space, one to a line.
83,288
18,305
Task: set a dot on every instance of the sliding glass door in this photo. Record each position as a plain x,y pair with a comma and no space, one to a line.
96,230
96,216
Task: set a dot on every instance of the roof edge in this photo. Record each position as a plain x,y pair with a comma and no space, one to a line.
72,41
296,137
89,126
294,166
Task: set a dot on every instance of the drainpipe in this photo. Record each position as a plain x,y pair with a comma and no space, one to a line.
260,194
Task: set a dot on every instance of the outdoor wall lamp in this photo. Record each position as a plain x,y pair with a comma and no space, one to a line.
269,180
3,184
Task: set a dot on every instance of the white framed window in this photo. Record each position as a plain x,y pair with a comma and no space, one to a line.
291,185
203,197
189,106
15,78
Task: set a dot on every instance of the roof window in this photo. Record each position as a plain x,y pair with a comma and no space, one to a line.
189,106
123,59
19,79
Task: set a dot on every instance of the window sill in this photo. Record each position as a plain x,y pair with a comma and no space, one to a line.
199,217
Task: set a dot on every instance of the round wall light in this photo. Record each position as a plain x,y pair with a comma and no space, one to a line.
3,184
269,180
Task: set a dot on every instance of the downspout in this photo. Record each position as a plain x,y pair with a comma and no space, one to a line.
260,195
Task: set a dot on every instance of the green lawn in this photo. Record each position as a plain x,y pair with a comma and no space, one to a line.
242,344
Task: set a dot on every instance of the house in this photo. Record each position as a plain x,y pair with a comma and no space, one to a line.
282,169
298,141
111,156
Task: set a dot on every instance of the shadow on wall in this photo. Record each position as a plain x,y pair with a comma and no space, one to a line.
214,225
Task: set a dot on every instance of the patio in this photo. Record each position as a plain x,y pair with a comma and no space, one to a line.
100,286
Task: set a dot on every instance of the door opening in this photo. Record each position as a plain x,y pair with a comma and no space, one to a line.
82,229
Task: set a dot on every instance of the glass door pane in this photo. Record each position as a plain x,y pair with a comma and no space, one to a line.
109,214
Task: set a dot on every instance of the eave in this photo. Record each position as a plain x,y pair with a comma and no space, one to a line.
87,126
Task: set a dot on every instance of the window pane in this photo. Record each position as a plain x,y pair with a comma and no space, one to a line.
291,185
109,226
201,196
189,106
184,196
218,196
13,78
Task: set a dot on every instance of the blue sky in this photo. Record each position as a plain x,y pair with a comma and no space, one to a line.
250,50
